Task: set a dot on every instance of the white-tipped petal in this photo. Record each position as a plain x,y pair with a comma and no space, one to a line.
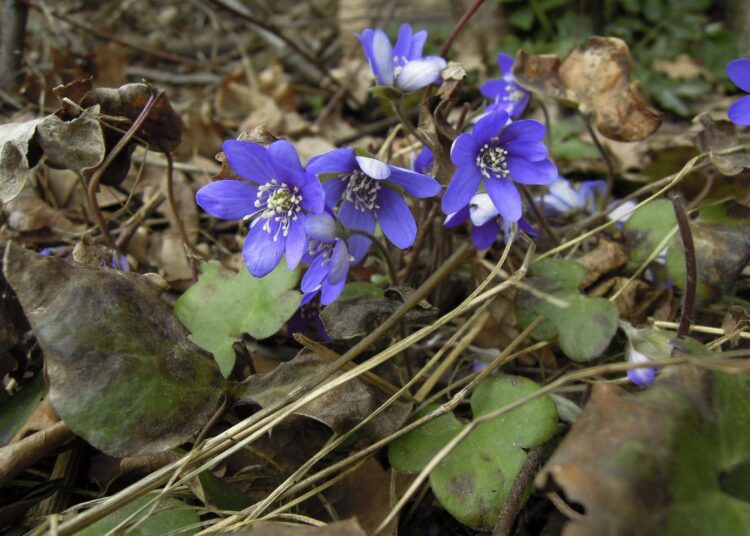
382,55
417,74
482,209
374,168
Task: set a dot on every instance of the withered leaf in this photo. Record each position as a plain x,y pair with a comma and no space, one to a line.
340,408
659,461
597,81
716,137
122,372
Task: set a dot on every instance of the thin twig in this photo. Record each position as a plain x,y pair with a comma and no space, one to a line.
539,215
691,279
15,15
605,156
517,493
392,273
97,176
397,104
460,26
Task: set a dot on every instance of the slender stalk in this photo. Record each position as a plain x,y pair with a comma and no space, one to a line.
460,26
392,273
691,278
605,156
398,109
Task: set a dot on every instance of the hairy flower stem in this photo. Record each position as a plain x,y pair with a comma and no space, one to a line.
460,26
605,156
398,109
688,301
392,273
539,215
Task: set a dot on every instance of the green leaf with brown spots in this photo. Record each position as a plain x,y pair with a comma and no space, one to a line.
473,481
121,370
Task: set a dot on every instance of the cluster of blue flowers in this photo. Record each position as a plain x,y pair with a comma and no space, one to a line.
324,214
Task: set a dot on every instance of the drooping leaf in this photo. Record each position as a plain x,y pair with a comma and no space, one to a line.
567,314
474,480
647,227
668,460
340,408
218,309
111,343
170,515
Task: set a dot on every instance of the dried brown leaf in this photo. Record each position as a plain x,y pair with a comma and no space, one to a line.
597,81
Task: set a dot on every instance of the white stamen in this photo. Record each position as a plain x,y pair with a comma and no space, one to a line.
278,202
362,190
492,159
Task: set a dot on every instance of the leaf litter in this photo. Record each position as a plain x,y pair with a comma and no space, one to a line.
530,376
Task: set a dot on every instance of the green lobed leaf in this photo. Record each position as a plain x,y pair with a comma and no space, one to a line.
587,327
473,481
170,515
218,309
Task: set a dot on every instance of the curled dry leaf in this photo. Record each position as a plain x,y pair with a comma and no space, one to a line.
340,408
597,81
716,137
668,460
109,343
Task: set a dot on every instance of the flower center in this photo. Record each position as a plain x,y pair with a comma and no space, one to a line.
324,249
362,190
280,203
492,160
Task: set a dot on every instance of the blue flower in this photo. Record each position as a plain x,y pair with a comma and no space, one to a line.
367,190
307,314
401,66
424,161
505,92
278,201
739,73
328,258
563,197
497,153
486,221
642,377
622,213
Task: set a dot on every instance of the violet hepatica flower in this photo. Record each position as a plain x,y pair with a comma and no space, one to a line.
367,191
739,73
486,221
402,65
563,197
424,161
328,258
279,199
496,154
505,92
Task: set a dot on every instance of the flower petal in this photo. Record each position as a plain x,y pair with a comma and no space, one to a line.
738,72
314,275
313,196
424,161
261,252
417,44
415,184
396,219
527,172
379,54
373,168
284,152
482,209
357,219
489,126
330,292
339,265
506,198
321,227
739,111
454,219
492,89
249,160
227,199
295,243
420,73
530,150
462,187
403,44
505,63
333,190
464,150
483,236
523,129
336,161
